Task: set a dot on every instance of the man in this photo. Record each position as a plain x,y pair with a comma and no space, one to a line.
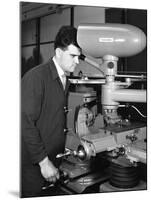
43,115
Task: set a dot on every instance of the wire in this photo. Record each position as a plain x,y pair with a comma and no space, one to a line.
139,111
121,106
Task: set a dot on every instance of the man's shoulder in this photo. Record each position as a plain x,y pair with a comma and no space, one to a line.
44,67
39,70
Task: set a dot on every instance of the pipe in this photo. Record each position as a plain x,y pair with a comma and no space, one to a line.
129,95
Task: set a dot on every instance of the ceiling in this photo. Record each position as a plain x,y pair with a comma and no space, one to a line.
28,6
30,10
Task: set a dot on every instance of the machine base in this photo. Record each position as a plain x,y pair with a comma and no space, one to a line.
107,187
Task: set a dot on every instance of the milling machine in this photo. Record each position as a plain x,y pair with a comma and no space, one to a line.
106,145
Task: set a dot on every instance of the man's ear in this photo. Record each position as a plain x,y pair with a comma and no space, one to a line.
58,52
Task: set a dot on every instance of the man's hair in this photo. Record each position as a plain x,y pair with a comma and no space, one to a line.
66,35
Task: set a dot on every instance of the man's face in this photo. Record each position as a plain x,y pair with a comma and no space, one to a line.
69,58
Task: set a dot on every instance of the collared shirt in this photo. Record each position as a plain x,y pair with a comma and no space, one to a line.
60,71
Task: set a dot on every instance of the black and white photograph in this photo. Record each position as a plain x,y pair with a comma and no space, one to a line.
83,100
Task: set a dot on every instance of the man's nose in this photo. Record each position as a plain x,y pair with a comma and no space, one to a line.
77,60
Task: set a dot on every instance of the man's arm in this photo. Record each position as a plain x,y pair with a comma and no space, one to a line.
48,170
32,98
31,101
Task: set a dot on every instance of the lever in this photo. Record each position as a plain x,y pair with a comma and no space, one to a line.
68,152
64,178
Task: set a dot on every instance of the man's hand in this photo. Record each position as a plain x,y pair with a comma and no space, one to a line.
48,170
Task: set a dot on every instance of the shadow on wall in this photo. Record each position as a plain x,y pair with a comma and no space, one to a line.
27,64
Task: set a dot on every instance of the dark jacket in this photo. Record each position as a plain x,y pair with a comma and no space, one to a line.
42,120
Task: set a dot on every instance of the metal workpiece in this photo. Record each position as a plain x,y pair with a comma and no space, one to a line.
121,40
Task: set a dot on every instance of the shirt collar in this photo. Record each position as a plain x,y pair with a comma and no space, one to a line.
59,69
